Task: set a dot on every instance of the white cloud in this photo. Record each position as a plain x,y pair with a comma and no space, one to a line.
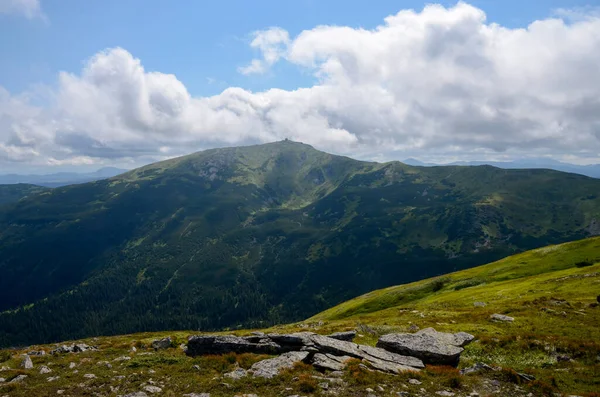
28,8
272,44
441,82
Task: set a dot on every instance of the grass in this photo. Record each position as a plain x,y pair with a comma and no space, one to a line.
555,338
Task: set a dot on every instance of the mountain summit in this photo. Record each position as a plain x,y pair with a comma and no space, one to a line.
261,234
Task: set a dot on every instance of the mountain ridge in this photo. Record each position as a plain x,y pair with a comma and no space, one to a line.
262,234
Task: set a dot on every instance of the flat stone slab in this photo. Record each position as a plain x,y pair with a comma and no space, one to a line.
429,345
201,345
272,367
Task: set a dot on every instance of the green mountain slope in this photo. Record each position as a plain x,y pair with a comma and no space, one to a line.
15,192
554,338
262,234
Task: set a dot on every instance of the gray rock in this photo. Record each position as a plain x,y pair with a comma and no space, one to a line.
200,345
477,367
236,374
45,370
161,344
346,336
460,339
271,367
329,362
53,378
72,365
197,395
18,378
89,376
36,353
82,347
152,389
414,381
371,353
136,394
501,318
428,345
445,393
2,380
479,304
26,362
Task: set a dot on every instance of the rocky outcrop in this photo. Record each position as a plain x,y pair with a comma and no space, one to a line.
323,352
26,362
271,367
429,345
74,348
346,336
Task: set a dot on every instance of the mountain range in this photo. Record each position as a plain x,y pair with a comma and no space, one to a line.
252,236
592,170
61,178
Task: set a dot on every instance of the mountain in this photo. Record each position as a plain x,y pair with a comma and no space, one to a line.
61,178
592,170
12,193
551,293
257,235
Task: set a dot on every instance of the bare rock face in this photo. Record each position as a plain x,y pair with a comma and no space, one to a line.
201,345
26,363
329,362
428,345
271,367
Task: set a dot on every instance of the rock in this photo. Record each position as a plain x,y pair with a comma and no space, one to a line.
89,376
371,353
82,347
346,336
476,368
413,328
271,367
72,365
122,358
133,349
501,318
2,380
236,374
53,378
197,395
136,394
428,345
160,344
444,393
329,362
200,345
45,370
26,362
152,389
479,304
36,353
414,381
75,348
18,378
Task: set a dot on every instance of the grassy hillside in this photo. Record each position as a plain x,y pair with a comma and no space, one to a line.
551,293
12,193
258,235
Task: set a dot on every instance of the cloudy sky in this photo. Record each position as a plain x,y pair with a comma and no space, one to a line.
96,83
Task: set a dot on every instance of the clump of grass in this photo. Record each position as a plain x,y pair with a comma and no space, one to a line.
4,356
307,384
445,375
154,361
467,283
584,263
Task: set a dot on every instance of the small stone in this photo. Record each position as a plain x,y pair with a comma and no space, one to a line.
369,390
2,380
122,358
160,344
414,381
26,363
52,378
60,391
136,394
444,393
324,385
153,389
133,349
479,304
18,378
45,370
196,367
236,374
197,395
380,388
501,318
72,365
89,376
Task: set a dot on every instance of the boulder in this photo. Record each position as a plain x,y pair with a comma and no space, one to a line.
18,378
430,346
236,374
501,318
161,344
26,362
200,345
45,370
329,362
346,336
271,367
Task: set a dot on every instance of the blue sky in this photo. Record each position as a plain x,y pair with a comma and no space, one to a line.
202,42
86,84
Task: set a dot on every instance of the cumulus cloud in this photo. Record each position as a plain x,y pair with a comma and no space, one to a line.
272,43
442,80
28,8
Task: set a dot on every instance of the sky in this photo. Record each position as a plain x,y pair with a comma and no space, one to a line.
87,84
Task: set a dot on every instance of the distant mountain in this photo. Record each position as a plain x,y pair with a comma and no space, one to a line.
12,193
587,170
61,178
262,234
